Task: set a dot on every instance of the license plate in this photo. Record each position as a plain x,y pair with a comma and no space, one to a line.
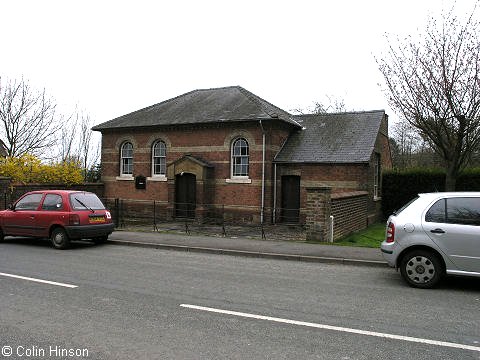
96,219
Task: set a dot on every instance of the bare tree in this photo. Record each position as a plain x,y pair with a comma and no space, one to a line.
66,142
89,151
27,118
76,143
331,104
433,83
407,142
410,150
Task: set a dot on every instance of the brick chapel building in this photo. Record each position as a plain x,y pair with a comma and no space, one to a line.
228,148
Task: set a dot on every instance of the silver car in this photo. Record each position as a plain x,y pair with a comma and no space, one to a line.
434,235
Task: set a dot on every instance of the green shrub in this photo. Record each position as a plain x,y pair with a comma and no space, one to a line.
399,187
469,180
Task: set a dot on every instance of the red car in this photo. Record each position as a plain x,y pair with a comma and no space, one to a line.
61,215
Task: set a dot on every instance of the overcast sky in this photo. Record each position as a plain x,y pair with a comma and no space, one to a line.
115,57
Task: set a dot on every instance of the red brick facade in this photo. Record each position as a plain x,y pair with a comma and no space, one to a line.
211,144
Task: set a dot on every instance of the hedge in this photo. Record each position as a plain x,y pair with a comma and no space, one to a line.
399,187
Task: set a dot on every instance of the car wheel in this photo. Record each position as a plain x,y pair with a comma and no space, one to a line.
100,239
60,239
421,269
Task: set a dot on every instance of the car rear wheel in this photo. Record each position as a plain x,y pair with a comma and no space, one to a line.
421,269
60,239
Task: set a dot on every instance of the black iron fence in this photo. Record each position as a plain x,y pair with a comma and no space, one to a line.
217,220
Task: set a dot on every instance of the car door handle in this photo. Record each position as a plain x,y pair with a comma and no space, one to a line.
437,231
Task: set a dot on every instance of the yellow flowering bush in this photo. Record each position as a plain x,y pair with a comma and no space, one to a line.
28,169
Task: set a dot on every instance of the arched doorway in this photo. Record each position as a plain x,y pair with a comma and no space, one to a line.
185,195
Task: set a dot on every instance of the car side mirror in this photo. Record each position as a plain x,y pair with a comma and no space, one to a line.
11,207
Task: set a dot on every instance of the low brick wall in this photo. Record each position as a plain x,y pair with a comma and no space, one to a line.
318,212
350,212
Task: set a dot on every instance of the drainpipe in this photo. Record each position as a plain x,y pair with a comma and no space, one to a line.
263,174
275,193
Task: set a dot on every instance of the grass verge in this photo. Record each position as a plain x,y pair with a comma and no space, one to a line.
370,237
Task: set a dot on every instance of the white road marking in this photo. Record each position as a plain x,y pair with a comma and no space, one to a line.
39,280
335,328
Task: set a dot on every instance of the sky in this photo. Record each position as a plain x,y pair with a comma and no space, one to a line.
110,58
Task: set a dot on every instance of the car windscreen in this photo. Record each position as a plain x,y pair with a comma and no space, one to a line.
86,201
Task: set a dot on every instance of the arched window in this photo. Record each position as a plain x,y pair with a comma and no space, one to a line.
159,158
240,158
126,159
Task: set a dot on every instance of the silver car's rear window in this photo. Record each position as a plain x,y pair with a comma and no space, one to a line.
397,212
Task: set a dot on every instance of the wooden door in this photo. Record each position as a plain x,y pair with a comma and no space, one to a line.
290,199
185,195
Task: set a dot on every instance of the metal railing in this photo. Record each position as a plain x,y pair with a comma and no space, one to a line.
218,220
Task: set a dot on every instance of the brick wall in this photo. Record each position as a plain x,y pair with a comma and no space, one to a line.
318,210
350,212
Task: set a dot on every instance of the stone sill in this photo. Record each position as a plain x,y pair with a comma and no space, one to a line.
157,178
238,180
125,178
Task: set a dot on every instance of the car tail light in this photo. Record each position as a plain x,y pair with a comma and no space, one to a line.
390,233
74,219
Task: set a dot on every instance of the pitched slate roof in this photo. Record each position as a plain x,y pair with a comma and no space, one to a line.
228,104
333,138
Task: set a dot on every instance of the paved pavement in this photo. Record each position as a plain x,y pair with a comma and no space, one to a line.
242,246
